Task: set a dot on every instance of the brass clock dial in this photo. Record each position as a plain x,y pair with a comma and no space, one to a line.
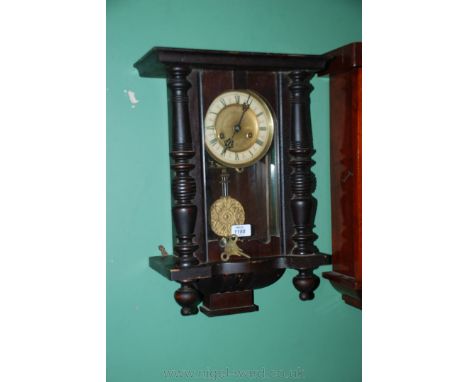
239,127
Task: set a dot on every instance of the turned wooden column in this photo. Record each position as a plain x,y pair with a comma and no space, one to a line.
184,212
303,181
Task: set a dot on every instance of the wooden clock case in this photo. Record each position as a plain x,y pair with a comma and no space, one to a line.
345,71
194,78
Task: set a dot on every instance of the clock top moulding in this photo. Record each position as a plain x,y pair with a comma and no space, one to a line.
155,62
292,91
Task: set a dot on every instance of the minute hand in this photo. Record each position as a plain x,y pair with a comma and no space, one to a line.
245,107
229,143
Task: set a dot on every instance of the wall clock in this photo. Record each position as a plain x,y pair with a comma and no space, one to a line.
241,149
345,171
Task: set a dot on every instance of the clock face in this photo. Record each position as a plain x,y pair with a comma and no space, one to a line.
239,128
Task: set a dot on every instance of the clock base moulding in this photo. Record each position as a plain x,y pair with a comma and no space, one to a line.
227,287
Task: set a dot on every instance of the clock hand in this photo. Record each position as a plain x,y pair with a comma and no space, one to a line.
236,130
245,107
229,143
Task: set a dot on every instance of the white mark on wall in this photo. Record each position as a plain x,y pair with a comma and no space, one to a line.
131,97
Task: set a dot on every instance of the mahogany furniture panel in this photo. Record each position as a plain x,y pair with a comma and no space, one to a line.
345,171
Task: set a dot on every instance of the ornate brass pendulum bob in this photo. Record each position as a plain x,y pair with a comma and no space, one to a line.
224,213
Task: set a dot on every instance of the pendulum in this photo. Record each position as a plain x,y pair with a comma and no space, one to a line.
224,213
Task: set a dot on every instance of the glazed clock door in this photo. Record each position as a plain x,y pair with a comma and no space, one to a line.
240,142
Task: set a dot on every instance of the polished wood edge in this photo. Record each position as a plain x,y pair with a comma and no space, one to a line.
354,302
348,286
307,261
155,62
343,59
347,281
226,311
167,266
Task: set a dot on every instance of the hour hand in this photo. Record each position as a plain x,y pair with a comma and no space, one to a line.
228,143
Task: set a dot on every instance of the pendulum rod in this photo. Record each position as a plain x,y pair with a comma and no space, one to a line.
224,181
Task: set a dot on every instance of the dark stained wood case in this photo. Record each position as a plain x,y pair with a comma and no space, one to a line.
194,78
345,171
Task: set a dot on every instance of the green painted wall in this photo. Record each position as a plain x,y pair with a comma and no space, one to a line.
146,335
